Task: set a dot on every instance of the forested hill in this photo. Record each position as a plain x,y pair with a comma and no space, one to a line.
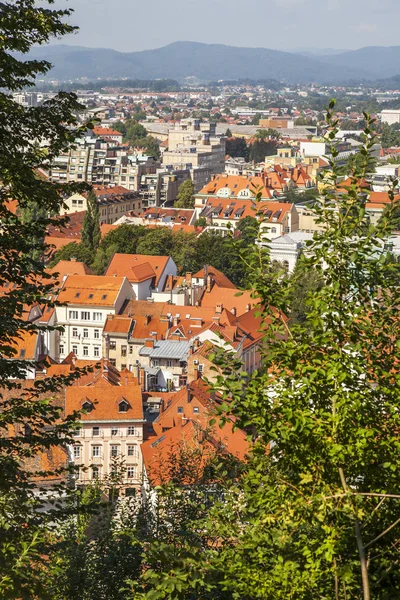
209,62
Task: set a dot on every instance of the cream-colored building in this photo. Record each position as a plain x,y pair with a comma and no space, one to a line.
113,203
196,146
110,431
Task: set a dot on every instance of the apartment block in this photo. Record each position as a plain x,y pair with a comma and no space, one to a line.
195,146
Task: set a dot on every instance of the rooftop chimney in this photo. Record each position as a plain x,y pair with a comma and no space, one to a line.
219,308
149,343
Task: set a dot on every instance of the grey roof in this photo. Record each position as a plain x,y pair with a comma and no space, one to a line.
167,349
294,237
152,370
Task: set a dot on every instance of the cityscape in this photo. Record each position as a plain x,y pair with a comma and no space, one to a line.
199,325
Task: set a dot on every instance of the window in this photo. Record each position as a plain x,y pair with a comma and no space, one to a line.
273,229
95,472
130,349
85,350
114,430
95,431
130,472
123,350
96,351
61,349
180,410
113,362
132,451
114,451
75,349
75,332
88,406
77,432
86,333
196,409
77,451
73,314
123,406
123,366
131,431
112,345
97,316
96,334
169,363
155,362
85,315
96,451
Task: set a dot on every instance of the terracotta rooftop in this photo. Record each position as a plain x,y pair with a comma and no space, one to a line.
121,265
90,290
104,402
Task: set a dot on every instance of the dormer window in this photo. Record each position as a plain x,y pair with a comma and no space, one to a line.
88,406
123,406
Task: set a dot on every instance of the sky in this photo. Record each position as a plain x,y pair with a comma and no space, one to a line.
131,25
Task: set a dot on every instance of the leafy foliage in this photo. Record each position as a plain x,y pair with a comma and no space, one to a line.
185,196
315,514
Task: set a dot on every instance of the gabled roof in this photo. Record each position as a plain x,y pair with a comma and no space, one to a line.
124,265
106,131
235,184
90,290
106,400
219,278
25,345
69,267
167,349
228,299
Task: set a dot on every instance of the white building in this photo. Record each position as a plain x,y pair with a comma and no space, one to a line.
390,116
286,248
87,300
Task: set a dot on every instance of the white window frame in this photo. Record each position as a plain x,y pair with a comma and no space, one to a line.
96,451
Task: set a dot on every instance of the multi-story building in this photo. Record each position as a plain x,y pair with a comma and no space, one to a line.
113,203
99,161
85,304
195,146
110,432
390,116
161,187
146,273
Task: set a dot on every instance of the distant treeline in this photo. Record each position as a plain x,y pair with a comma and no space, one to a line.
153,85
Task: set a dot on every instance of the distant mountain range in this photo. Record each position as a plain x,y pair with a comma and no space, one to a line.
210,62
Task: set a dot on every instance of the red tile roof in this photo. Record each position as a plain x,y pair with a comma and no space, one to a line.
105,401
122,265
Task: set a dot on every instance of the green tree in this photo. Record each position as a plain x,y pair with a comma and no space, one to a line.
91,233
185,196
315,515
228,133
73,251
261,148
30,423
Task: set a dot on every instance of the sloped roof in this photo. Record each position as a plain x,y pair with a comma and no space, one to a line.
218,277
91,290
105,400
227,297
167,349
121,265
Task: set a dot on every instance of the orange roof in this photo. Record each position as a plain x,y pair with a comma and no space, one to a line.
236,183
381,198
59,242
123,265
116,190
106,228
105,401
228,299
93,290
225,208
69,267
149,327
217,276
106,131
25,345
158,453
141,272
117,324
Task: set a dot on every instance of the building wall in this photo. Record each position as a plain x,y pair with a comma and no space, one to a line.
106,438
